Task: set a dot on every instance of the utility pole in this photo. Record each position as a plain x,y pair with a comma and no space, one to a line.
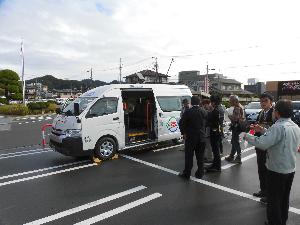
23,65
91,76
120,70
156,69
206,85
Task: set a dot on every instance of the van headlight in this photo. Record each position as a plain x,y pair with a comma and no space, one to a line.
73,133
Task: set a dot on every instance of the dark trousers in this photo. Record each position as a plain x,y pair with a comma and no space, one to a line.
194,144
235,141
278,194
215,139
261,169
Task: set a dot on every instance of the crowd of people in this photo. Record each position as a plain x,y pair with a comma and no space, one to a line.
275,136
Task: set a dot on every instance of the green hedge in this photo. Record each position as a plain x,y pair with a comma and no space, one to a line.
15,109
3,101
41,107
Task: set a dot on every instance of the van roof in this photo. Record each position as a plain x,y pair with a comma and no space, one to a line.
163,89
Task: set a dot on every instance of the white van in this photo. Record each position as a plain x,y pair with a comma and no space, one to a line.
115,117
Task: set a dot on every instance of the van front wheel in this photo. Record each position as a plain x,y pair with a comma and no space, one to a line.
105,148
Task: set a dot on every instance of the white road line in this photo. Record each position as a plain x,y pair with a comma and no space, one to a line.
85,206
243,160
43,169
119,210
161,149
33,153
217,186
47,174
33,150
150,164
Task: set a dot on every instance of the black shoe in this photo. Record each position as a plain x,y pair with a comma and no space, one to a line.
229,158
266,223
263,200
213,170
259,194
199,175
184,176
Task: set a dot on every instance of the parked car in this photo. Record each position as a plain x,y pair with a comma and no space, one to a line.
252,110
296,110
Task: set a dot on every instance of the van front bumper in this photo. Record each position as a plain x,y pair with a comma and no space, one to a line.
69,146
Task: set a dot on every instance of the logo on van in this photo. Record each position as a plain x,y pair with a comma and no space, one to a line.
172,124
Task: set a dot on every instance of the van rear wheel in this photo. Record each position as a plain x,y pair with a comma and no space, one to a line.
105,148
177,141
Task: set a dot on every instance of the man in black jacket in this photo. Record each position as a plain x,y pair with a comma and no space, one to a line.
192,127
215,122
265,119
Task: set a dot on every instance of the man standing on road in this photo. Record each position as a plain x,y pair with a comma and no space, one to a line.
215,121
235,118
265,119
281,141
192,127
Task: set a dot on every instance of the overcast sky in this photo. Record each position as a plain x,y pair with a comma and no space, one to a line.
241,39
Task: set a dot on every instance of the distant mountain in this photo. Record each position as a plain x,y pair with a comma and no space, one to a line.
55,83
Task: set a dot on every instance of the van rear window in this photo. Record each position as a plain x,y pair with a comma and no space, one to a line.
169,104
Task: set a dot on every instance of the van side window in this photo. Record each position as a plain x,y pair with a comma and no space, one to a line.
102,107
169,104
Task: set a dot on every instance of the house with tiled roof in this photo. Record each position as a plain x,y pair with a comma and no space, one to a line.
146,76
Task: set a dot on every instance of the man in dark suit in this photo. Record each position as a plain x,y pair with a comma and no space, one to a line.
215,122
192,127
265,119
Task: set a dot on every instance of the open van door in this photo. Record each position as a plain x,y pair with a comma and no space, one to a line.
168,115
103,127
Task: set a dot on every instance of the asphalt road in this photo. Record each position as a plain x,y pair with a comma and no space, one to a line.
40,186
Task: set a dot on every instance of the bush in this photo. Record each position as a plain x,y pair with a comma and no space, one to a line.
226,104
16,109
3,101
52,107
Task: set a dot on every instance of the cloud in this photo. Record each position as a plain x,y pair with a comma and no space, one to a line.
66,38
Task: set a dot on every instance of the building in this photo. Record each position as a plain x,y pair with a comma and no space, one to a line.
284,89
252,81
191,79
217,82
146,76
35,90
257,88
67,93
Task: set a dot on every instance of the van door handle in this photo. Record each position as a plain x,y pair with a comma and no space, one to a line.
116,118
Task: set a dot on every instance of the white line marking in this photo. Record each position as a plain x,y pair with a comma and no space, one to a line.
26,122
161,149
217,186
33,121
33,150
243,160
85,206
119,210
44,169
47,174
150,164
33,153
19,123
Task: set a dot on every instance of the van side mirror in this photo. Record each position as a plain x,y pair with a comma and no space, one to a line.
76,109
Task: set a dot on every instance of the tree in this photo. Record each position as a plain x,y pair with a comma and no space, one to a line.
9,81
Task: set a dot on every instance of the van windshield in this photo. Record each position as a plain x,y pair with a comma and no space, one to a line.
83,103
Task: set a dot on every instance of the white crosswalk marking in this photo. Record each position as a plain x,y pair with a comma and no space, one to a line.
85,206
119,210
